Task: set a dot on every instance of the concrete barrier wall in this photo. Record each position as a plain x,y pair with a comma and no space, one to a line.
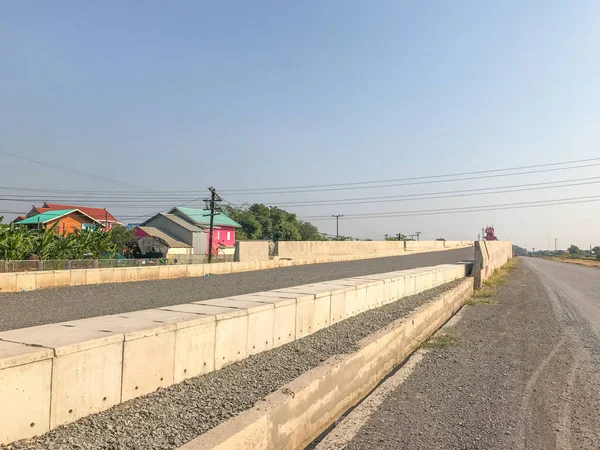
251,251
303,249
28,281
324,393
54,374
489,256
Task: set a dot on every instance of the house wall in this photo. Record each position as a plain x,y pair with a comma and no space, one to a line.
69,223
199,243
171,228
224,236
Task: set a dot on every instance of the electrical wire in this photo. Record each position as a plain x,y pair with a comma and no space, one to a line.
341,202
378,215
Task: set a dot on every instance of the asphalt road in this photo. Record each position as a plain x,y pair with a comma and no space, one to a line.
25,309
523,373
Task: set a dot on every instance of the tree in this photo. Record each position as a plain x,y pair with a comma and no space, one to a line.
269,222
574,250
596,251
122,238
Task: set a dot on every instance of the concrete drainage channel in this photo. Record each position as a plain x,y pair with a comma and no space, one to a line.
295,415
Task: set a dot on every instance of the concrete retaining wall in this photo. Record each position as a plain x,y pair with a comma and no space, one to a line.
304,249
489,256
251,251
28,281
54,374
324,393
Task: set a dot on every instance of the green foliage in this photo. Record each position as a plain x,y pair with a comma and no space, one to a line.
574,250
18,243
396,237
122,238
269,222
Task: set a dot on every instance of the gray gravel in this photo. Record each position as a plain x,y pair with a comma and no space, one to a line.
170,417
19,310
524,374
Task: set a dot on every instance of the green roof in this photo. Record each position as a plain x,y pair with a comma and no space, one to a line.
202,217
44,217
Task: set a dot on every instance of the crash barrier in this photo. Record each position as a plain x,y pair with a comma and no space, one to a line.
28,281
489,256
54,374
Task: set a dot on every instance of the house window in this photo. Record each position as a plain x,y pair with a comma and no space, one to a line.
228,235
218,235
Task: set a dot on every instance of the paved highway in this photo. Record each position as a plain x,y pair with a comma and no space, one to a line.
18,310
524,373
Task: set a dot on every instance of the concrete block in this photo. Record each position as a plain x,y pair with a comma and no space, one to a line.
25,385
92,276
343,301
261,317
85,382
25,281
322,303
194,340
148,363
86,370
410,283
124,274
107,275
163,272
148,273
305,311
62,278
148,350
8,282
44,279
305,316
177,271
195,350
231,334
284,320
359,300
195,270
78,277
219,268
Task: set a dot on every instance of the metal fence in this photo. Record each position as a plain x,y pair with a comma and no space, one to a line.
69,264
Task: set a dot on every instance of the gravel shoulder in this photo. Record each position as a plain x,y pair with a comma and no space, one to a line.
20,310
523,372
170,417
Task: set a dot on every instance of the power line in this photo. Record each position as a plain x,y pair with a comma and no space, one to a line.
565,201
346,201
317,188
67,169
427,177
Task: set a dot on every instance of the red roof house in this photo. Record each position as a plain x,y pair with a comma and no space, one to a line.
99,214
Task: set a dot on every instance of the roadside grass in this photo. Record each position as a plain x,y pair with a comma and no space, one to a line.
491,285
578,261
440,340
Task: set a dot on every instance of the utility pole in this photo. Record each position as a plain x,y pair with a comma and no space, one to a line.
212,206
555,244
548,241
417,233
337,225
399,236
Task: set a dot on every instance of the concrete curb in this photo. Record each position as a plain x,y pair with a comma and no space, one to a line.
295,415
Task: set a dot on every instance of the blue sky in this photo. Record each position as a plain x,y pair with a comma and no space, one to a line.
183,95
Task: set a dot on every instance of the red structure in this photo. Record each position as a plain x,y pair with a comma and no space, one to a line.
489,234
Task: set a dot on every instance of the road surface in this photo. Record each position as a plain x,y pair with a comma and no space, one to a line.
19,310
524,373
